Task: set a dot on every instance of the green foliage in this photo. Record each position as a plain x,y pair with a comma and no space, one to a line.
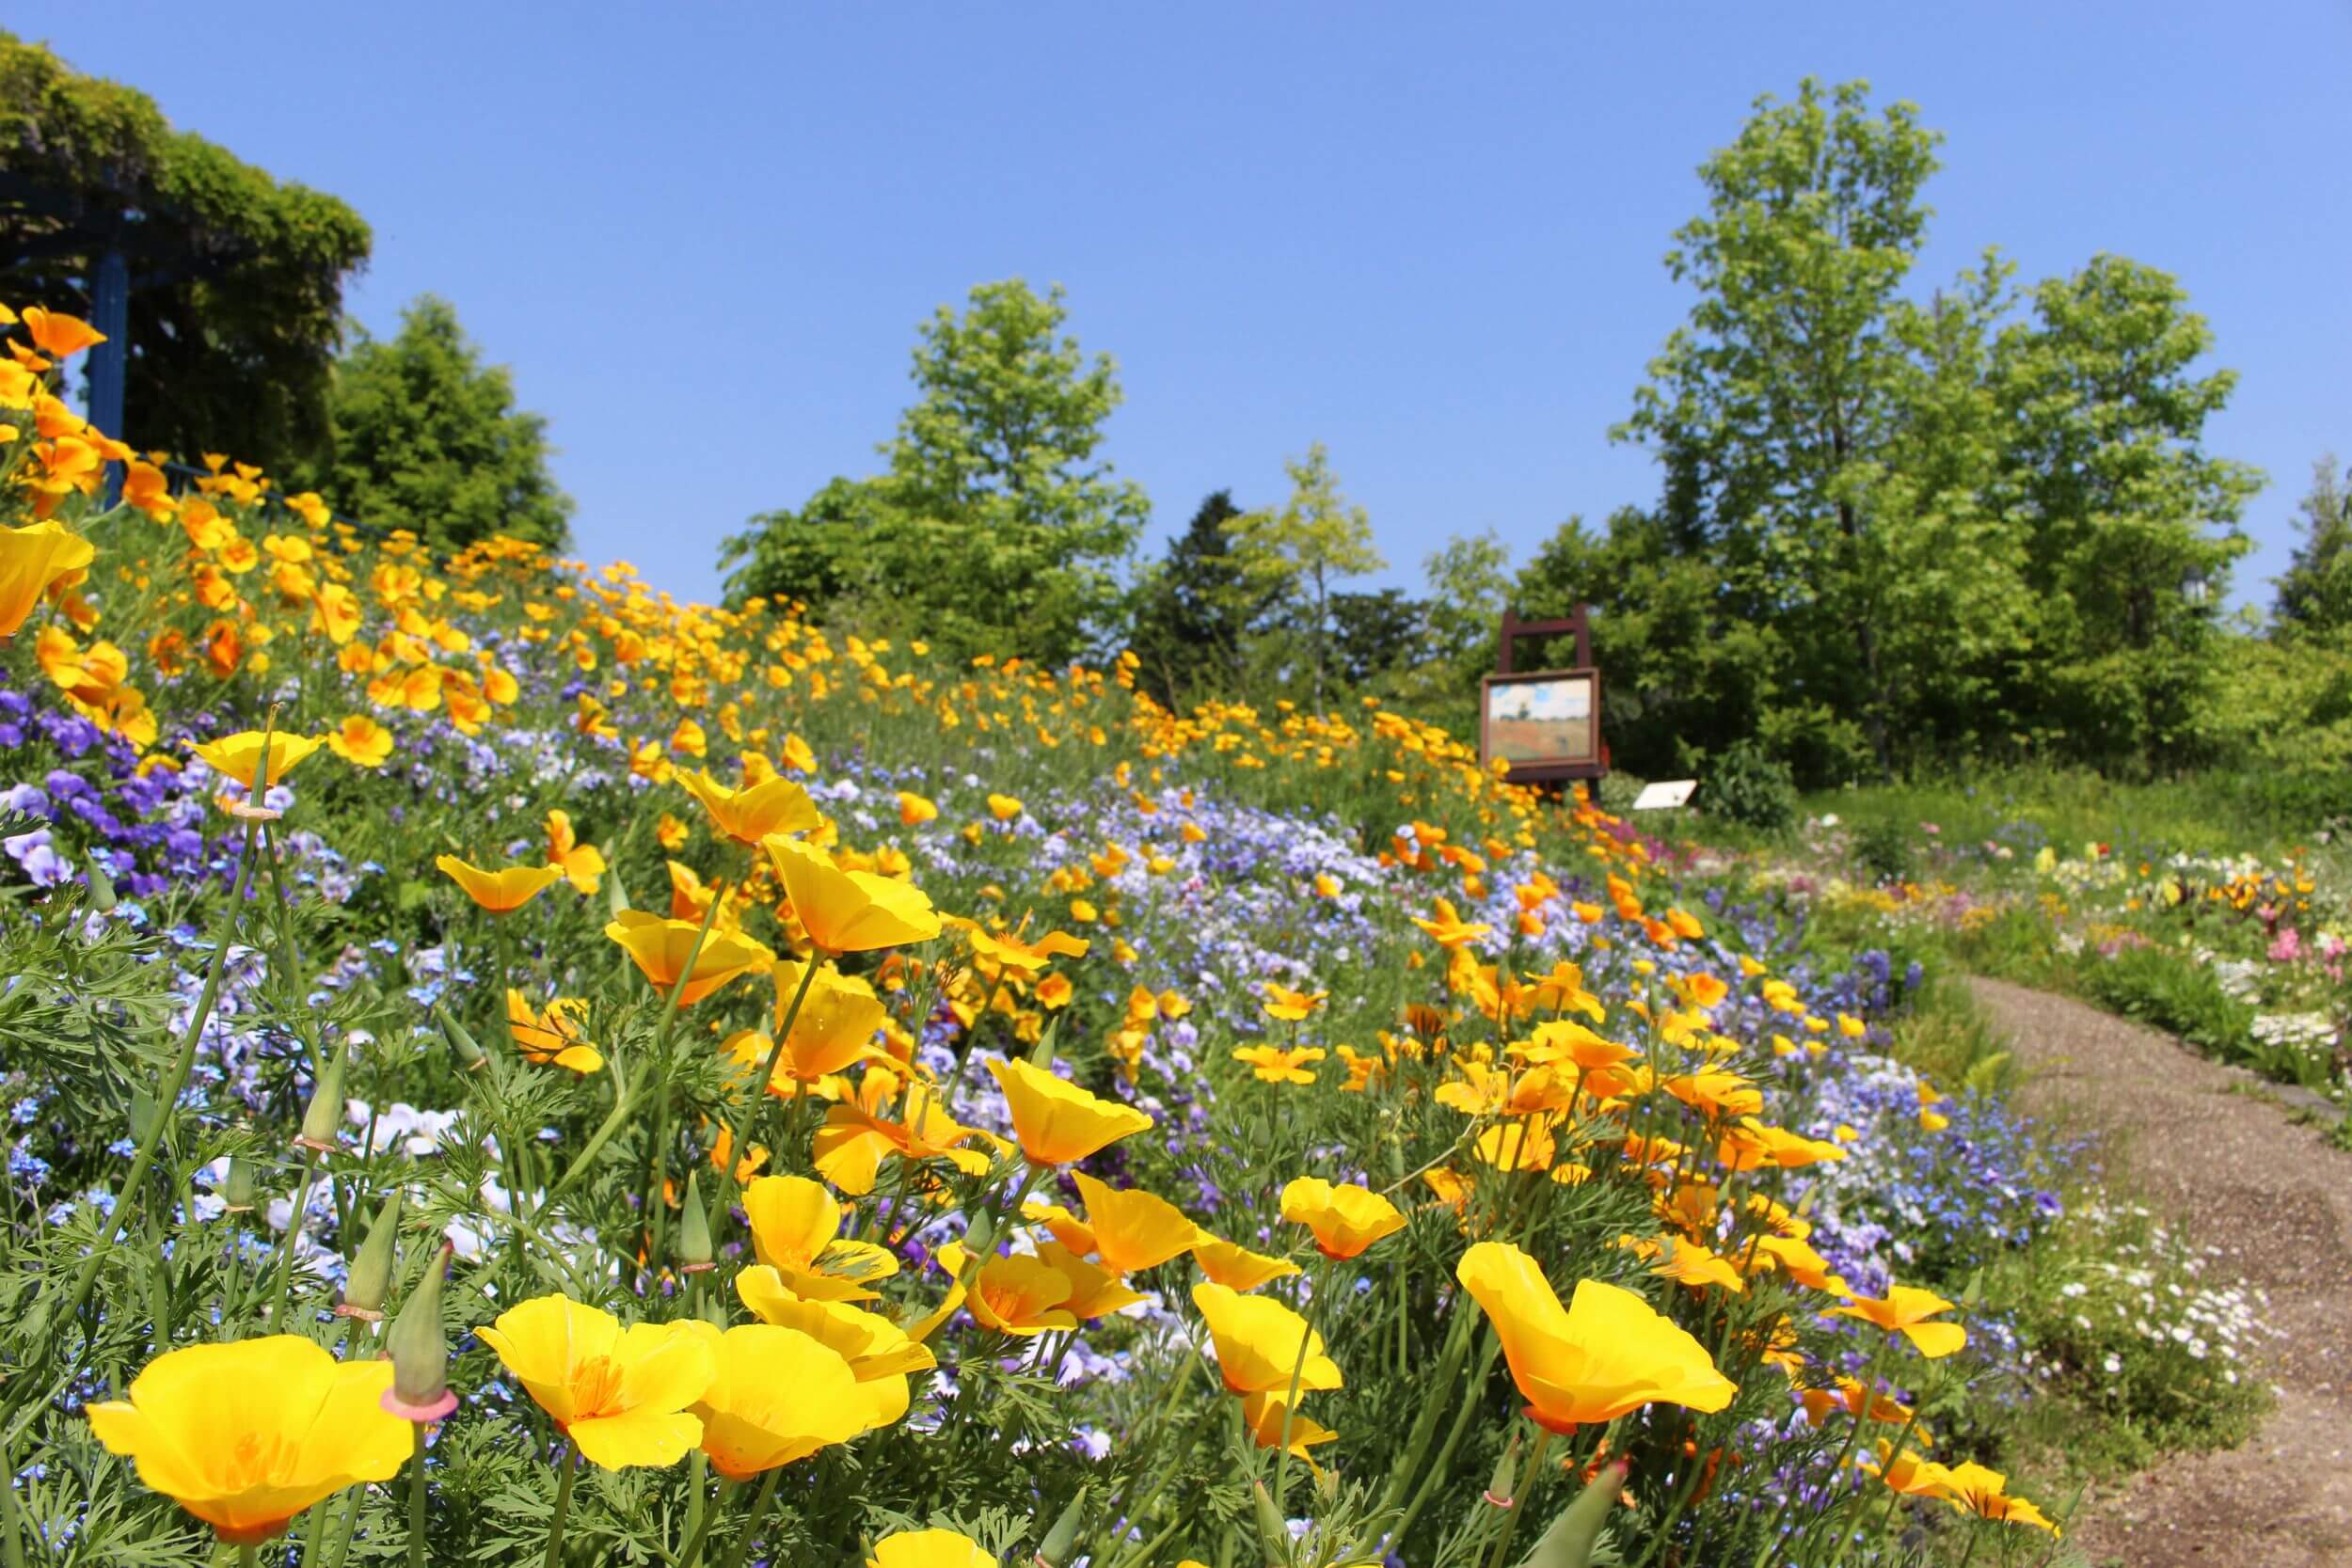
1938,530
1192,613
426,437
1751,787
1882,846
1294,554
2316,595
232,350
995,528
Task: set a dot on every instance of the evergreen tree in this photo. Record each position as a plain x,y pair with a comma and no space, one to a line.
2316,595
426,437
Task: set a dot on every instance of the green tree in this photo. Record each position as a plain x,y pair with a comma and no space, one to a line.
236,309
1776,407
2315,595
1296,554
423,435
2132,524
995,526
1192,619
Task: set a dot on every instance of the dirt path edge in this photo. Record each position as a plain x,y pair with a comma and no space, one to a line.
2235,1173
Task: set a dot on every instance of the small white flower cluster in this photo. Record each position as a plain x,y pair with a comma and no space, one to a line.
2148,1287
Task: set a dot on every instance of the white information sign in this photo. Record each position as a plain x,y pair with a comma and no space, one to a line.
1661,797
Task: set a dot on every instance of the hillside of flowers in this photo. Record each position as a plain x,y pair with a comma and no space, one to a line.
503,1066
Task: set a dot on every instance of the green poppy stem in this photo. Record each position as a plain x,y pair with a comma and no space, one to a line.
284,1293
167,1101
415,1497
248,1556
1531,1475
737,1149
751,1522
563,1506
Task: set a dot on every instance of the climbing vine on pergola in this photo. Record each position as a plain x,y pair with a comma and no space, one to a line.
220,287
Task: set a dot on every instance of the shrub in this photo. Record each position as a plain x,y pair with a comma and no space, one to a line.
1751,787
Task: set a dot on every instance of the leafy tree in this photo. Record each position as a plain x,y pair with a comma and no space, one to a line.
1683,673
2316,595
1297,553
1772,407
2119,503
426,437
995,526
237,307
1944,526
1376,637
1193,616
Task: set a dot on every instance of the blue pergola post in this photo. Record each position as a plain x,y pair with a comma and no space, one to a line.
110,361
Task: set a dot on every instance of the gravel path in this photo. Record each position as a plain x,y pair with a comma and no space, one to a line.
2237,1175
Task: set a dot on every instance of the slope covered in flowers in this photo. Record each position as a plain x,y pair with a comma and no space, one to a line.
1238,1136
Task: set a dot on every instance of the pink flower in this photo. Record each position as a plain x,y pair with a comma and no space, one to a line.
2286,947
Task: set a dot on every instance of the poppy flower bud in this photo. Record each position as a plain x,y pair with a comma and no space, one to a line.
1568,1543
142,1113
693,1232
1060,1548
420,1349
101,891
467,1049
238,1190
615,896
1272,1533
371,1278
979,1238
326,1110
1499,1489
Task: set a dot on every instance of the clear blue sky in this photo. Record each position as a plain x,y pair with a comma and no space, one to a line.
1429,236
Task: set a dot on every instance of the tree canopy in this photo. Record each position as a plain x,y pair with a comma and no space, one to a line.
995,526
423,436
1982,520
236,305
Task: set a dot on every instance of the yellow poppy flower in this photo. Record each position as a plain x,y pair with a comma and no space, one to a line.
1021,1296
550,1038
1904,1310
1608,1352
33,560
361,742
245,1436
658,947
1291,1005
849,911
1054,1120
776,1396
503,891
1345,1219
1004,807
796,1229
777,805
56,333
836,1024
583,864
1234,1266
915,810
879,1353
1094,1291
620,1395
1271,1064
929,1548
1257,1341
1134,1229
1267,1414
239,756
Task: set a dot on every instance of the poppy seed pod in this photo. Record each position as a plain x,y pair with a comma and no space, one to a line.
142,1113
1568,1543
420,1349
1060,1548
693,1232
237,1189
467,1049
326,1110
1499,1489
370,1279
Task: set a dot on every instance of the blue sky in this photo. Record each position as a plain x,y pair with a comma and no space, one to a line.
1428,236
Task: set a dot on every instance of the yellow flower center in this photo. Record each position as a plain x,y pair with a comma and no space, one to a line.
257,1459
595,1388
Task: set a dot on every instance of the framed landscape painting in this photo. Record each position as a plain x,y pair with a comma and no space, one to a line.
1541,720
